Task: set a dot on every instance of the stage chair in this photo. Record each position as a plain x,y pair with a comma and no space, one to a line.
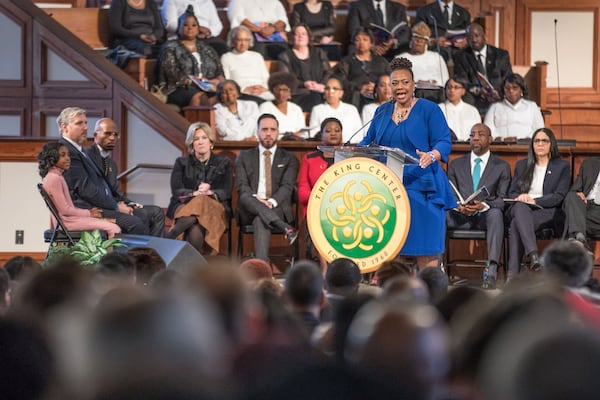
471,234
249,230
60,234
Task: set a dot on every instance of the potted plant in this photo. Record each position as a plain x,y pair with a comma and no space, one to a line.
87,251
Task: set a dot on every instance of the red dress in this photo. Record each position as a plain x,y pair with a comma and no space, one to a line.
313,165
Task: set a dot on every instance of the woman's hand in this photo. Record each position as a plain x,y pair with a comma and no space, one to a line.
95,213
428,158
525,198
148,38
203,32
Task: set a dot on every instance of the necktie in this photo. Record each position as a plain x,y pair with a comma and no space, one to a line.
268,182
105,165
447,14
480,65
379,13
476,173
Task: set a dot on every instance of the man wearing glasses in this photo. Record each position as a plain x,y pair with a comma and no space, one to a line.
147,218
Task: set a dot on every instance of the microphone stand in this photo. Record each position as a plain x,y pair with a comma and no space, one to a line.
558,80
437,44
382,108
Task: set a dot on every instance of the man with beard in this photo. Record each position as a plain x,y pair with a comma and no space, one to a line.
469,173
265,177
106,135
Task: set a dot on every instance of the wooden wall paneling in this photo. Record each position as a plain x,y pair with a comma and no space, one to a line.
41,107
98,84
21,87
501,18
18,106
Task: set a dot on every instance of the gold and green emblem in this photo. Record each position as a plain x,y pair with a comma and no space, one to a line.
359,209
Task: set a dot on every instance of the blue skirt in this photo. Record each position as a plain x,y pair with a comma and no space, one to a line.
427,229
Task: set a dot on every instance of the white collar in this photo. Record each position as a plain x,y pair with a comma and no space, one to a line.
77,146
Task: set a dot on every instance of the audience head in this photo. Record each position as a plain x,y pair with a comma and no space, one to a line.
27,363
383,89
459,299
240,39
72,124
514,88
228,92
480,139
5,291
363,40
20,268
187,24
334,91
567,262
420,38
331,131
147,263
560,366
304,284
119,266
194,132
53,154
255,269
282,85
106,134
347,309
436,281
301,35
543,143
343,277
267,130
455,89
402,345
476,36
405,288
390,269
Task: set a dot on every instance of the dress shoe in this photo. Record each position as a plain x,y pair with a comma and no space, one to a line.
583,244
534,262
489,283
291,235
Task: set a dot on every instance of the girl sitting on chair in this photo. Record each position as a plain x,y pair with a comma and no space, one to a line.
53,160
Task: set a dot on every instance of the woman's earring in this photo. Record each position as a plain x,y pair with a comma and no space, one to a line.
212,147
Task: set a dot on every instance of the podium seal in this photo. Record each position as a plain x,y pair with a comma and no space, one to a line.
359,209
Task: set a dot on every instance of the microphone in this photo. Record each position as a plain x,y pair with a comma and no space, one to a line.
390,101
558,80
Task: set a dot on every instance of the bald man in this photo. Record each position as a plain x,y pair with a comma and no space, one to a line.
106,135
494,174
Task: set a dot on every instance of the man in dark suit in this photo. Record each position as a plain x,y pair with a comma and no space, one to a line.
85,180
494,174
106,135
582,203
362,12
266,206
442,16
494,65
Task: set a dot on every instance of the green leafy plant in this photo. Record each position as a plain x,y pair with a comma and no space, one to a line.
87,251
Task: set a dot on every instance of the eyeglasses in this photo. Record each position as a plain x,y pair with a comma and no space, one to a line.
332,89
455,87
541,141
111,133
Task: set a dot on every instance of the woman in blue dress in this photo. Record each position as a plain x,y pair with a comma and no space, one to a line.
418,127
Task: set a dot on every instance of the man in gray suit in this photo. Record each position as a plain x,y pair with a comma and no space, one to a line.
470,172
266,206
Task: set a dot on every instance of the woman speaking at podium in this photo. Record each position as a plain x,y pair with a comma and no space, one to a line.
417,127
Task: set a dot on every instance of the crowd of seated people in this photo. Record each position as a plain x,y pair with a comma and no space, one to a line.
441,31
223,331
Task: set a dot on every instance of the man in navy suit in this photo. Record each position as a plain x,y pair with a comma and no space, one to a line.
85,180
442,16
266,206
582,203
494,174
494,65
106,136
362,12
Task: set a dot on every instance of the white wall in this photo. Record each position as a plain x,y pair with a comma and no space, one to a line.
22,208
